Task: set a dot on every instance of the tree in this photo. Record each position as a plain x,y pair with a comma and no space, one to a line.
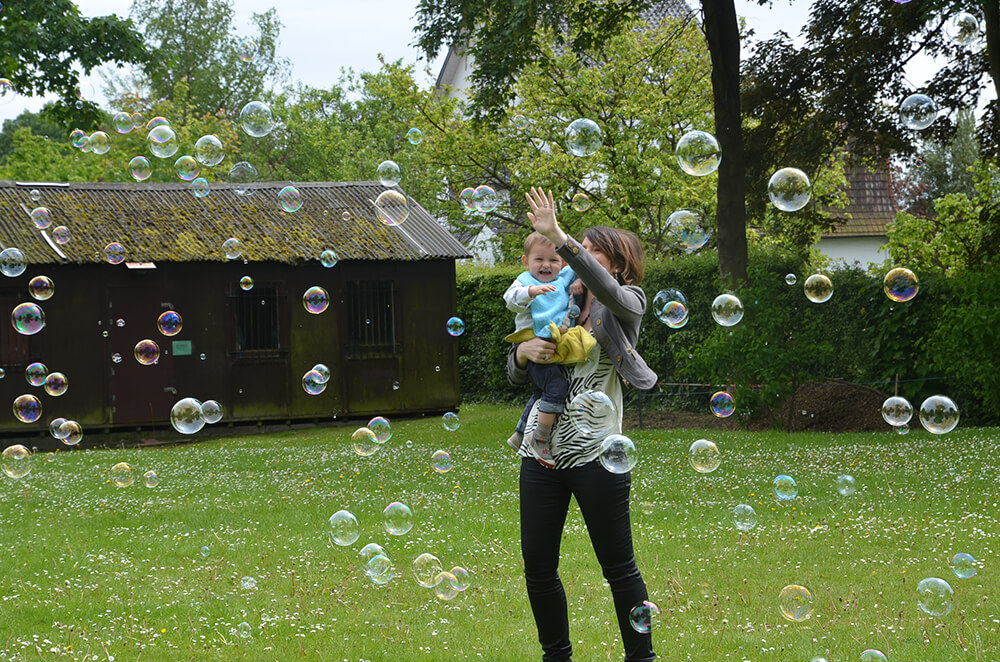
42,43
40,124
942,168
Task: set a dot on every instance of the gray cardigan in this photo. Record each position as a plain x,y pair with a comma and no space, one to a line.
615,314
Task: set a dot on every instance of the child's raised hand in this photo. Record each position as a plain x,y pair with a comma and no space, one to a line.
576,288
543,215
535,290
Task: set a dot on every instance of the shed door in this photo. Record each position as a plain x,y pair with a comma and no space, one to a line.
140,394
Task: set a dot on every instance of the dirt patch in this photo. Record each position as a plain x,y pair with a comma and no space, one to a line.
674,420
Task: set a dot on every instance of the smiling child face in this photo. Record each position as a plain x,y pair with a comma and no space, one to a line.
543,263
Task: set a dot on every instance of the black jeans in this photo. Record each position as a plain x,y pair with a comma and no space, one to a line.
549,385
604,502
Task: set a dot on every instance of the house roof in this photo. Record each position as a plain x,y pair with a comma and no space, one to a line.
167,223
871,206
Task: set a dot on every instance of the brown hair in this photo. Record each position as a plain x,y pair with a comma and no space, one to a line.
536,239
623,250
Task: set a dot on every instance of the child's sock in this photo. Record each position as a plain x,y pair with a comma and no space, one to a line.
542,432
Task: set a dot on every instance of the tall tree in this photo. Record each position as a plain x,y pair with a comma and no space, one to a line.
41,124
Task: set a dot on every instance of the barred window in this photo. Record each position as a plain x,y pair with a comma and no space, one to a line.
257,332
371,318
15,349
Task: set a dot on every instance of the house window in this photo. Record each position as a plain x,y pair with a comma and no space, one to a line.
371,318
15,348
257,332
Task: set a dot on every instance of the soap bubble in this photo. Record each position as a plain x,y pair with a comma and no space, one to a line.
785,488
727,310
593,413
162,142
36,373
344,528
617,454
245,630
41,288
170,323
519,121
100,143
918,111
114,253
41,217
315,300
187,416
388,173
77,137
256,119
206,550
61,235
461,579
789,189
455,326
313,382
790,279
139,168
963,565
581,202
900,284
795,602
200,187
246,49
444,586
248,583
938,414
687,228
903,429
379,569
116,357
872,655
698,153
450,421
670,307
643,616
704,456
381,428
818,288
328,258
27,318
12,262
186,167
232,248
845,485
441,461
16,461
123,123
962,28
55,426
468,199
290,199
246,283
583,137
370,551
157,121
56,384
415,136
208,150
744,517
7,92
245,178
486,199
324,372
121,474
722,404
391,207
364,442
935,597
71,433
397,518
147,352
212,411
897,410
85,144
426,569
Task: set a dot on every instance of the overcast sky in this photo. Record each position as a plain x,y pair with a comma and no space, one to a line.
322,36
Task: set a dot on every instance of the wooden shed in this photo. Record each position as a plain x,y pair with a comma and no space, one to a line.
383,335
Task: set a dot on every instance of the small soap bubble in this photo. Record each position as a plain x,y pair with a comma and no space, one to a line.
918,111
486,198
519,121
41,217
789,189
290,199
12,262
818,288
670,307
245,630
468,199
27,408
897,411
140,168
208,150
346,216
381,428
206,550
248,583
617,454
397,518
71,433
935,597
313,382
462,578
795,602
900,284
704,456
785,487
16,461
643,616
388,173
790,279
455,326
56,384
116,357
151,478
315,300
162,141
872,655
244,176
698,153
55,426
583,137
324,372
7,92
123,123
187,168
170,323
391,207
441,461
61,235
593,413
727,310
121,474
938,414
212,411
364,442
722,404
344,528
395,385
41,288
256,119
147,352
36,373
581,202
114,253
379,569
328,258
687,228
427,569
963,565
186,416
246,49
846,485
232,248
100,143
27,318
246,283
415,136
444,586
963,29
202,357
744,517
450,421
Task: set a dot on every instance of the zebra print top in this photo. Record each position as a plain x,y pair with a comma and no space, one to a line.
572,447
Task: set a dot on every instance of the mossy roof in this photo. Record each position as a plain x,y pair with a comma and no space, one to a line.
167,223
871,207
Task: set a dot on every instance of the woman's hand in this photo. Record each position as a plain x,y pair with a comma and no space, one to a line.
543,216
536,350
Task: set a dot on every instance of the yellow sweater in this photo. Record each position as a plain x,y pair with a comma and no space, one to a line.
573,346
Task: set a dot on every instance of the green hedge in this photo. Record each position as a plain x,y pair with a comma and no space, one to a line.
950,329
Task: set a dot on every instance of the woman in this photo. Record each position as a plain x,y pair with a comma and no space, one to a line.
609,262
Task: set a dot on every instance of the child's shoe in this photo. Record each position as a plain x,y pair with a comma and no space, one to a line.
514,441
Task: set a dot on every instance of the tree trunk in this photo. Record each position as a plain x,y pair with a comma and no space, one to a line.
723,36
991,16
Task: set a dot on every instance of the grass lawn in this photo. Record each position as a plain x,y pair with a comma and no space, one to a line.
95,571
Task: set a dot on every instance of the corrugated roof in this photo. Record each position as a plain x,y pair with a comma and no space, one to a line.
871,207
167,223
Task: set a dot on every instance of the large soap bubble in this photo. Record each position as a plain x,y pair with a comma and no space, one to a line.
187,416
789,189
617,454
900,284
962,28
344,528
698,153
897,411
27,408
795,602
27,318
935,597
704,456
16,461
100,143
426,569
388,173
139,168
208,150
364,442
963,565
918,111
938,414
687,228
785,487
722,404
593,413
397,518
727,310
643,616
670,307
162,141
12,262
583,137
256,119
744,517
391,207
846,485
818,288
245,176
